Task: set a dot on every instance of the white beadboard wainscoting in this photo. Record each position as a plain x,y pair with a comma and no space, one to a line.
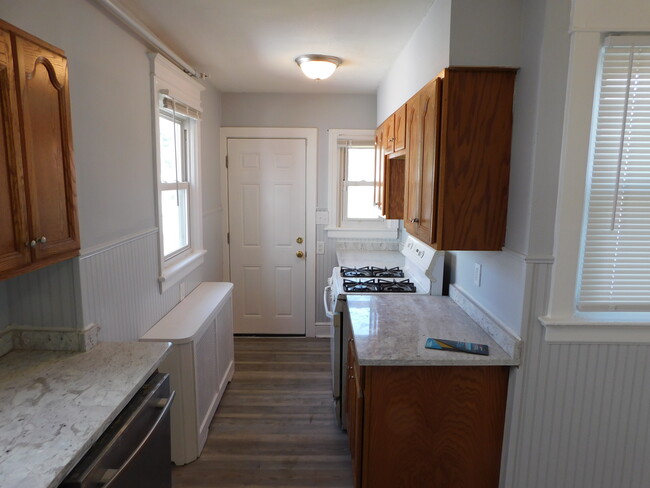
45,298
579,414
120,287
4,306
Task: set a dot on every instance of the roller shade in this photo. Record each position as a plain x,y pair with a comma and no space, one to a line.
615,264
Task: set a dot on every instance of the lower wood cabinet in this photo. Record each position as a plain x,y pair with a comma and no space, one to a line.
433,426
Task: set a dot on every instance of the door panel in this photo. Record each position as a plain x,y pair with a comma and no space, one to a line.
266,181
44,96
13,217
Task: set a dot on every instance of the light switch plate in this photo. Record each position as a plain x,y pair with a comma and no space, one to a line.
320,247
322,217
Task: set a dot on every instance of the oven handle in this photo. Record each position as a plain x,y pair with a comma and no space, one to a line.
110,475
327,293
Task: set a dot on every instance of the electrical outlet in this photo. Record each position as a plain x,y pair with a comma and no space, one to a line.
477,274
320,247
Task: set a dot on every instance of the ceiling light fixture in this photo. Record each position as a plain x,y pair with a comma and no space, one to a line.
318,66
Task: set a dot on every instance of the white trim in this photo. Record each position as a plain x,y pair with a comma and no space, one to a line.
179,267
575,330
311,137
391,232
166,76
380,229
583,67
100,248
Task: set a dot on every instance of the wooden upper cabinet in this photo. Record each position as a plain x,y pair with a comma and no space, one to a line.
459,130
379,167
388,130
474,170
399,129
13,211
423,157
37,161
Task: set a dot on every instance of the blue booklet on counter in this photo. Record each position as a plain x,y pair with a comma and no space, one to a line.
455,346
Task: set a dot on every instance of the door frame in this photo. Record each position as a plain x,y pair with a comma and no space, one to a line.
310,135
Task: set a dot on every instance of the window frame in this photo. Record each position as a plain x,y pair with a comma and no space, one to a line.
563,322
168,79
344,183
338,227
187,126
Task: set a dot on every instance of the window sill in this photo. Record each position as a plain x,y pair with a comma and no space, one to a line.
178,268
580,330
349,233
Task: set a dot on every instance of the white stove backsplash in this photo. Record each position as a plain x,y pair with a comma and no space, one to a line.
367,245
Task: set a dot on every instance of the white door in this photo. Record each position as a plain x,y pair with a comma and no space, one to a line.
266,199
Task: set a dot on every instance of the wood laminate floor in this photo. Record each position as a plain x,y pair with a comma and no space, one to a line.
275,425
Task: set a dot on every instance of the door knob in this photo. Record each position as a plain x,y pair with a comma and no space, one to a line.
300,254
299,240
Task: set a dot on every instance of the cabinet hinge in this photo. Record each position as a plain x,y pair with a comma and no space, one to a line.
228,237
226,161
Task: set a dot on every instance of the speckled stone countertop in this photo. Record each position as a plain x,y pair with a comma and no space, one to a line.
54,405
391,330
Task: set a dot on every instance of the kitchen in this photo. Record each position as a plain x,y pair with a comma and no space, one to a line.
559,431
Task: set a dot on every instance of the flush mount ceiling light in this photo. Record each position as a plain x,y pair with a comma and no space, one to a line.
318,66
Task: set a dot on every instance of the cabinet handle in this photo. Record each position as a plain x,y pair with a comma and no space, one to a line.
42,240
31,243
414,221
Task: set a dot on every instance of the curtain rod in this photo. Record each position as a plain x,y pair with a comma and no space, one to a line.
143,31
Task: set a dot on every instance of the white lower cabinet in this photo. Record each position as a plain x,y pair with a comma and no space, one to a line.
200,364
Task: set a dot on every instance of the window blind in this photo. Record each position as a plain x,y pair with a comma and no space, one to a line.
170,104
615,264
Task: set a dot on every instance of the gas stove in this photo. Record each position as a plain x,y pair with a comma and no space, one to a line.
378,285
421,273
372,272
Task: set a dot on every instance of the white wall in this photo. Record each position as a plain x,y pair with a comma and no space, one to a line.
485,33
423,57
297,110
113,148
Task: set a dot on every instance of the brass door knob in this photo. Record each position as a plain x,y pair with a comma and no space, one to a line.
300,254
299,240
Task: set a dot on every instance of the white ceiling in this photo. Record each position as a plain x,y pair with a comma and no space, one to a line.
250,45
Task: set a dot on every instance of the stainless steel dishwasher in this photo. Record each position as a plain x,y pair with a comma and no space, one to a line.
135,450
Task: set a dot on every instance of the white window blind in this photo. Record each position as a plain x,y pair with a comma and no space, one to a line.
615,265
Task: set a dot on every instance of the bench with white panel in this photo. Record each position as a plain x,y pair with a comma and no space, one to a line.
200,364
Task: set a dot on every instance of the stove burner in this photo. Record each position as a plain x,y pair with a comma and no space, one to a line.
378,286
371,272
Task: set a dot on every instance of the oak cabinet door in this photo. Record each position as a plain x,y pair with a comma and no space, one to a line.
44,99
399,142
13,214
430,130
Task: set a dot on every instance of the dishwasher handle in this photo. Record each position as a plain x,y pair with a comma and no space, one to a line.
327,301
109,475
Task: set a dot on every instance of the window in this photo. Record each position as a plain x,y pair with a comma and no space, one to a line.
177,113
174,183
352,211
357,185
614,270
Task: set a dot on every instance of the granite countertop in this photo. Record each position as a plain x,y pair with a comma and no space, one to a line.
359,258
54,405
391,330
